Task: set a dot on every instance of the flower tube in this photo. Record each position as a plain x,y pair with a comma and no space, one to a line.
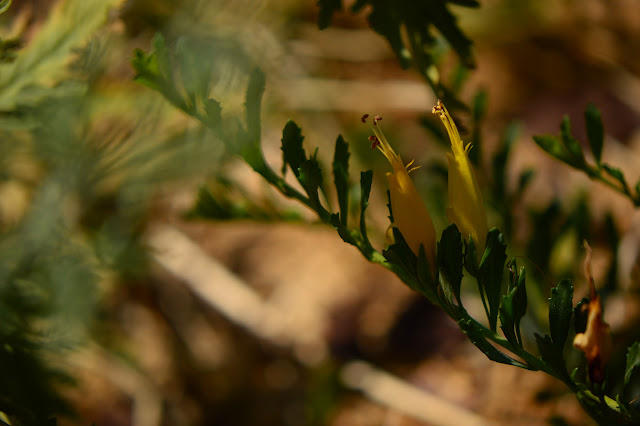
410,215
466,205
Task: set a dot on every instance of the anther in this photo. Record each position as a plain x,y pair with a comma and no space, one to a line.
364,118
376,119
439,108
375,142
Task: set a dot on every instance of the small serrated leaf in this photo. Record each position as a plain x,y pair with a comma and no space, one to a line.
426,276
514,306
341,176
507,322
310,177
471,258
560,311
552,355
366,178
615,173
573,146
450,263
475,335
595,131
401,256
490,273
293,153
633,362
553,146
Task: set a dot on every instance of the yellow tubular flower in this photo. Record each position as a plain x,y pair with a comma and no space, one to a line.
410,215
466,206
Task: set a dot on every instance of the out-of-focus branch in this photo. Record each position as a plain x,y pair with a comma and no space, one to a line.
393,392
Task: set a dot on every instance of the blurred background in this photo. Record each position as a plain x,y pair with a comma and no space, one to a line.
150,277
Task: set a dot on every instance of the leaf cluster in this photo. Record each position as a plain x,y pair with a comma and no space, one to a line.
408,28
568,149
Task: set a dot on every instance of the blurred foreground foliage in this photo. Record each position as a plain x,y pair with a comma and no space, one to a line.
80,161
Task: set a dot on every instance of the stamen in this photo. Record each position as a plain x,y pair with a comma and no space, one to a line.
411,169
380,142
375,142
449,124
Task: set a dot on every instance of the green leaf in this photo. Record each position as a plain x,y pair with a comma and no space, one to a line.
553,146
250,143
415,19
194,64
450,263
617,175
479,105
499,161
471,258
44,61
253,101
400,255
343,232
573,146
524,179
473,330
514,306
213,112
310,177
341,176
490,273
595,131
560,311
426,275
293,153
161,55
478,111
327,8
633,362
4,5
366,178
552,355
